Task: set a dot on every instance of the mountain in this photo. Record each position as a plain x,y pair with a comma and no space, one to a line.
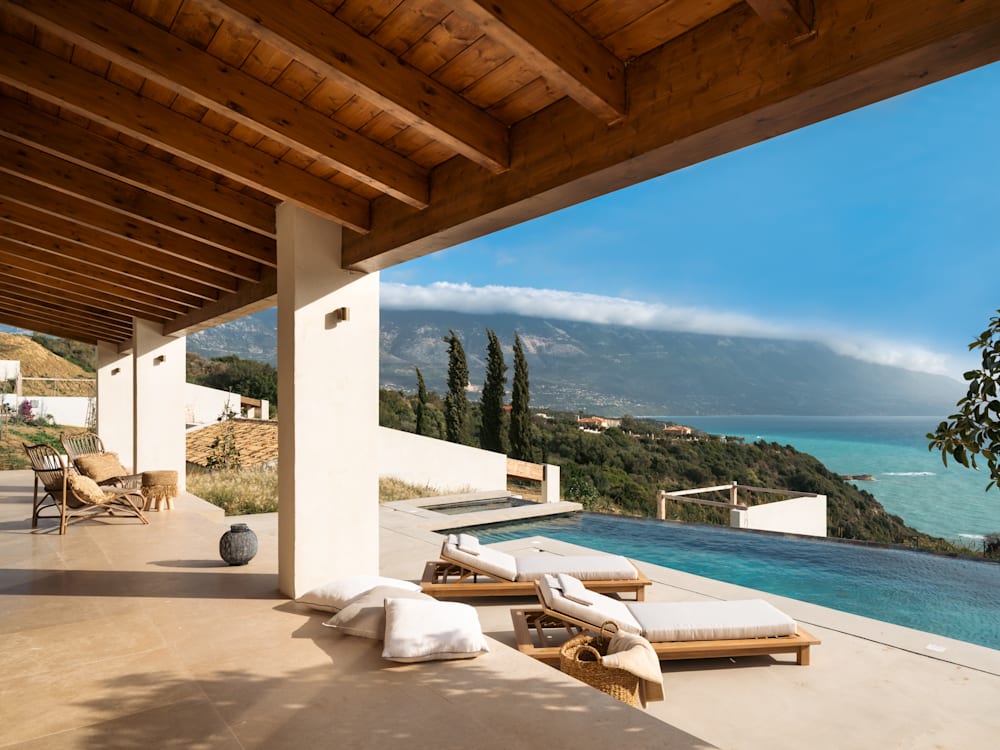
615,369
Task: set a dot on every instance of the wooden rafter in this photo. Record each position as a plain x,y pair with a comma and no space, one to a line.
792,19
85,148
334,49
79,309
44,324
571,60
137,204
767,90
208,262
145,49
92,96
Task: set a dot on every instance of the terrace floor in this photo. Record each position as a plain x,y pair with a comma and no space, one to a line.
118,635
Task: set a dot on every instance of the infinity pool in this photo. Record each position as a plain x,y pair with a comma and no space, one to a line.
948,596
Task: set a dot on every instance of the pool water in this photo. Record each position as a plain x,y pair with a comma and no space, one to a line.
475,506
949,596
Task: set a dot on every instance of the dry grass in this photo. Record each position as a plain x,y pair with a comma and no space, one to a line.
245,491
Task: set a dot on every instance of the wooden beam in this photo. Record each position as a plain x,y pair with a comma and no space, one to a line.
198,257
51,231
792,19
60,82
52,299
37,271
333,49
59,252
147,50
563,53
249,299
64,315
132,202
82,147
862,53
47,326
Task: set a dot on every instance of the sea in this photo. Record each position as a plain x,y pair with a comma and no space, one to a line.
910,481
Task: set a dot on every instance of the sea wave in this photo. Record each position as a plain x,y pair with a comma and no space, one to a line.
909,473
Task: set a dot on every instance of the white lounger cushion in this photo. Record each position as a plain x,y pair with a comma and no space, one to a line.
710,621
584,567
600,610
489,560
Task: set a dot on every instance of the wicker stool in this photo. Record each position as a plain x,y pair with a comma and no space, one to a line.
159,488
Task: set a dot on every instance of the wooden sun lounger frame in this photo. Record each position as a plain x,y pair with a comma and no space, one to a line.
447,578
530,626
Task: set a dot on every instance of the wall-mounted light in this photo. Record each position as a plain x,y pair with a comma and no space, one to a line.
159,360
340,315
115,370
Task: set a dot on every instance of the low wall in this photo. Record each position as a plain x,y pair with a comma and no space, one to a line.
800,515
64,410
446,466
203,405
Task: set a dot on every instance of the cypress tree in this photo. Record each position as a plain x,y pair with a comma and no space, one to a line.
456,405
421,404
491,404
520,416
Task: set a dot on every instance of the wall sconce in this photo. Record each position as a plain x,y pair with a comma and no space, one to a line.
340,315
159,360
115,370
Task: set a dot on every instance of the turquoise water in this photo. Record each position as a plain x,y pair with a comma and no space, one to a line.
910,481
951,597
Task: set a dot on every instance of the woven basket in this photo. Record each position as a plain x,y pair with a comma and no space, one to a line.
582,657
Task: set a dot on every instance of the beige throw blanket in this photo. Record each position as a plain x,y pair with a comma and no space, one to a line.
635,655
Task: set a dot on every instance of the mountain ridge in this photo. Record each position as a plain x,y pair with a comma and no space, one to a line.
612,370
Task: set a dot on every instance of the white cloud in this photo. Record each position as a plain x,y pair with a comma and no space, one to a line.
594,308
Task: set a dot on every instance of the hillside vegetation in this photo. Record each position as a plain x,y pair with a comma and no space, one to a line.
38,361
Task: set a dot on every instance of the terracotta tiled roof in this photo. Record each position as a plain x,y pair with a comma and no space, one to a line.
256,440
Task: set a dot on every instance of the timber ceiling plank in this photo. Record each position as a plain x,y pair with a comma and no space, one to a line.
116,251
335,50
862,53
40,270
569,58
38,166
662,24
60,82
156,54
113,159
65,305
216,265
46,325
17,224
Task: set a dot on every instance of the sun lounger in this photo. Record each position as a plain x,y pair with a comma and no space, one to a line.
676,630
467,568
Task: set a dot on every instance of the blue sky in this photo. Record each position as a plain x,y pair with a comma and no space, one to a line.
877,232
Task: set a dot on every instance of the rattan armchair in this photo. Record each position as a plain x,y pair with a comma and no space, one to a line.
84,444
71,504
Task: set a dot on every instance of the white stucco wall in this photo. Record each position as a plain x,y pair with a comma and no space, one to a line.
203,405
800,515
445,466
64,410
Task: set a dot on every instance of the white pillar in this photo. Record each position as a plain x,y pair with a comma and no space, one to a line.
115,409
160,373
550,484
328,381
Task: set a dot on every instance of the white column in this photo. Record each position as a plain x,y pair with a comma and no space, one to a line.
328,382
160,372
114,401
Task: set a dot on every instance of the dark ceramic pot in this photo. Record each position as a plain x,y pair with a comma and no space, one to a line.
238,545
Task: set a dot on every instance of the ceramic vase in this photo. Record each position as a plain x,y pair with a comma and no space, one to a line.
238,545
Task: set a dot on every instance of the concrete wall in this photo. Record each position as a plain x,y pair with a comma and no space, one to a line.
446,466
203,405
800,515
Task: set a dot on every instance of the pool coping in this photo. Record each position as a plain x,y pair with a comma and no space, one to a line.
421,510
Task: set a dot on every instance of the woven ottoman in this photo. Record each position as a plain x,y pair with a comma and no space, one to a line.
159,488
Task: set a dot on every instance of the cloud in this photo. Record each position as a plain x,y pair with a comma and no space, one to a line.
594,308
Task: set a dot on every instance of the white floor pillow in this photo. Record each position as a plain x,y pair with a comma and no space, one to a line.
364,615
417,630
332,596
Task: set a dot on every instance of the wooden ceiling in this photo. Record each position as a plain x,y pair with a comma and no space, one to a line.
144,144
